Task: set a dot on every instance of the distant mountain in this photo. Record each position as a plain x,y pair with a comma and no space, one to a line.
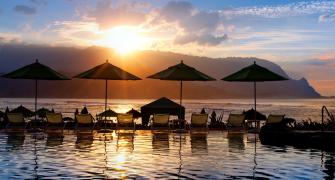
71,61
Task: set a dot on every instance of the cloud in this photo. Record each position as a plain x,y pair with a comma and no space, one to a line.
176,11
188,23
201,21
327,18
40,2
319,61
74,32
327,56
316,62
107,16
287,10
26,10
188,17
199,27
9,38
204,39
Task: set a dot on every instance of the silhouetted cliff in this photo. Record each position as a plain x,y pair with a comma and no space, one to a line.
71,61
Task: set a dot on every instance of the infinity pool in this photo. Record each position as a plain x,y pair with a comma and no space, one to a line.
147,155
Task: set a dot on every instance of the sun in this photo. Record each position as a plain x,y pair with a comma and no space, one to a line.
123,39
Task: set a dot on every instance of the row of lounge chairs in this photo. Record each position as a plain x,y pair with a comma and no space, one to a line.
56,119
238,120
127,120
201,120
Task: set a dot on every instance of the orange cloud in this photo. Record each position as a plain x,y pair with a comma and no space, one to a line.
327,56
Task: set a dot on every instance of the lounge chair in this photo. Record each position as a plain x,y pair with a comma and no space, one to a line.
55,119
236,121
274,119
160,120
125,120
199,121
85,120
15,119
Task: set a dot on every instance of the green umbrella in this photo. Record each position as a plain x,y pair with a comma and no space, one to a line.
181,72
254,73
107,71
35,71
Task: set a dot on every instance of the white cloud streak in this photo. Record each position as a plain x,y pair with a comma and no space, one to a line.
287,10
327,18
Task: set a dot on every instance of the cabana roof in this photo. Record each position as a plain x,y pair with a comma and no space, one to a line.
162,105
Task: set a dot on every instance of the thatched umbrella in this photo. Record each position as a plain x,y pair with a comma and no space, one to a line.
42,112
250,114
108,113
25,111
84,110
136,114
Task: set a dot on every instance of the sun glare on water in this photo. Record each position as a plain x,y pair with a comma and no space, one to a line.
124,40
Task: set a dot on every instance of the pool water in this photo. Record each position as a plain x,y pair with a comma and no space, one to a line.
156,155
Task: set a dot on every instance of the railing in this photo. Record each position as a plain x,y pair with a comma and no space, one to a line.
330,115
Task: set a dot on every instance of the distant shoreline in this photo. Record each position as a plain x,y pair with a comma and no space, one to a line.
175,98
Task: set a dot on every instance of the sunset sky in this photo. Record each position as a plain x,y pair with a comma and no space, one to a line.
298,35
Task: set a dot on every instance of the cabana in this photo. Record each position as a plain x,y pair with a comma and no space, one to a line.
161,106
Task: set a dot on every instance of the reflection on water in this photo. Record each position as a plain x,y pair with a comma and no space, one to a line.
158,155
235,141
54,139
160,141
125,141
329,165
15,140
199,143
84,140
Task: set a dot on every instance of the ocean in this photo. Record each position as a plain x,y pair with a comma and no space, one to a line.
299,109
145,154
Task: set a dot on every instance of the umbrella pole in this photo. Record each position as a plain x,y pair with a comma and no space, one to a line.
255,96
36,83
106,94
106,101
181,97
181,92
